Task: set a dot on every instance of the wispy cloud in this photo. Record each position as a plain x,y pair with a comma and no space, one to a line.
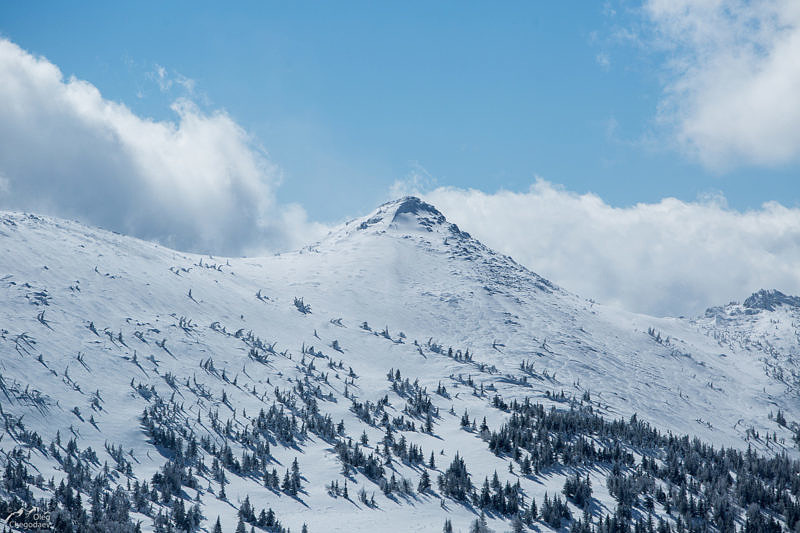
417,180
166,80
603,60
197,183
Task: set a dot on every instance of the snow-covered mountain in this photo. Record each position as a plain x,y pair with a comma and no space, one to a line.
123,362
766,325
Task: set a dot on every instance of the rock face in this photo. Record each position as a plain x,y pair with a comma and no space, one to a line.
768,300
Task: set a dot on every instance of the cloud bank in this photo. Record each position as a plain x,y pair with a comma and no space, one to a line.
668,258
732,79
200,183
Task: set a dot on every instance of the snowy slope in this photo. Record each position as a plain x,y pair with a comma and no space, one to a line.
95,327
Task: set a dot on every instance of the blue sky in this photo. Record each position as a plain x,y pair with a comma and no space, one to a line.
643,153
347,98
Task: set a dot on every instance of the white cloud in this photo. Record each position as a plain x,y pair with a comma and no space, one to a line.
200,183
732,78
667,258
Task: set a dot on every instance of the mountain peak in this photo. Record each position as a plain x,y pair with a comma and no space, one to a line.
411,209
412,205
769,299
408,213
